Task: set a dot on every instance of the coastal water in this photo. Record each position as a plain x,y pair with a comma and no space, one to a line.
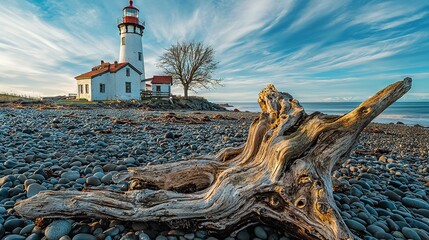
407,112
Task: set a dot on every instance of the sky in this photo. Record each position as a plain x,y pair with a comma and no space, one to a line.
320,50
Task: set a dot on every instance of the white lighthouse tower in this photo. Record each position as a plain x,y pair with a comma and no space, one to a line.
131,32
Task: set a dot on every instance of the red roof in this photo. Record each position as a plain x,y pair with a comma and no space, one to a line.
103,68
162,80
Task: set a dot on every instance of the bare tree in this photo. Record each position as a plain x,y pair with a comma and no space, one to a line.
191,64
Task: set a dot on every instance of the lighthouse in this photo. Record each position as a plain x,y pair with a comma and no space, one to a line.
131,32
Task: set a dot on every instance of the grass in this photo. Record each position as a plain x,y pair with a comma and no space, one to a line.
10,98
80,102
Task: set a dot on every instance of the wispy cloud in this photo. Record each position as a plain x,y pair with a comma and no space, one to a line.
317,50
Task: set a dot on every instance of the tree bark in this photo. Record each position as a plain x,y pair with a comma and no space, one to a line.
185,90
282,175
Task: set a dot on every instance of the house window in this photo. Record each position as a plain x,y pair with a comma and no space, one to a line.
86,88
80,88
128,87
123,41
102,88
128,72
140,56
158,88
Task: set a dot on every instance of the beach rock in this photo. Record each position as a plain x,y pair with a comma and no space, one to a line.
260,232
410,233
392,195
144,236
169,135
93,181
84,236
189,236
34,189
354,225
27,229
415,203
373,229
71,175
57,229
11,224
34,236
14,237
243,235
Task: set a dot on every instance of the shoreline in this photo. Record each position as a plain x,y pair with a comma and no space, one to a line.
55,149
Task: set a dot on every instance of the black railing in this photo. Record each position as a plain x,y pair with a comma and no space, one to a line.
151,94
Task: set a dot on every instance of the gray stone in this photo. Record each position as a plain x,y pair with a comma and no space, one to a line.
201,234
27,229
189,236
415,203
243,235
84,236
11,224
169,135
161,237
34,236
144,236
387,205
410,233
354,225
392,195
71,175
260,232
373,229
93,181
57,229
34,189
14,237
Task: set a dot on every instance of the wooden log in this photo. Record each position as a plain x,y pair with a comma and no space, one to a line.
282,175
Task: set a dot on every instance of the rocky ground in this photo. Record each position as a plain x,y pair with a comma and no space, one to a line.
381,190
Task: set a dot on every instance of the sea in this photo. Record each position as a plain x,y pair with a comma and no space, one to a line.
410,113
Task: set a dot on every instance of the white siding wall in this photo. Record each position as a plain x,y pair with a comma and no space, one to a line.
96,94
120,79
165,88
84,95
129,51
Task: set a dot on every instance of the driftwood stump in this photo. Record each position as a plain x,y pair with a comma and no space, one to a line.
282,175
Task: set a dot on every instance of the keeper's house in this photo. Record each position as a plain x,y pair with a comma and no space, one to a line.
117,81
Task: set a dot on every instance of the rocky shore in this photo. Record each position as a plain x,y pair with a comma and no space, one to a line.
381,189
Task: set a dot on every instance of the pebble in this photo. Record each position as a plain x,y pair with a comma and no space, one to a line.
84,236
415,203
11,224
71,175
243,235
354,225
57,229
410,233
260,232
93,181
34,189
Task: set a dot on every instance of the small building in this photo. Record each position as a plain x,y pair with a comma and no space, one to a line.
108,81
159,87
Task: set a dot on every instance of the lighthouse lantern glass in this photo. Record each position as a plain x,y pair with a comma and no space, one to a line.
131,12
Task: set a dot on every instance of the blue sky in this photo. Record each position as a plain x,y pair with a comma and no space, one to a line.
316,50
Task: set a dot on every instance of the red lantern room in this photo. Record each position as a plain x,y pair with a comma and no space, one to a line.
130,14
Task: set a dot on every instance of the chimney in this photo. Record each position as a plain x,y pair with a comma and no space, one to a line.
116,63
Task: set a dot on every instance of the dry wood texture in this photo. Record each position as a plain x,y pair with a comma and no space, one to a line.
282,175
